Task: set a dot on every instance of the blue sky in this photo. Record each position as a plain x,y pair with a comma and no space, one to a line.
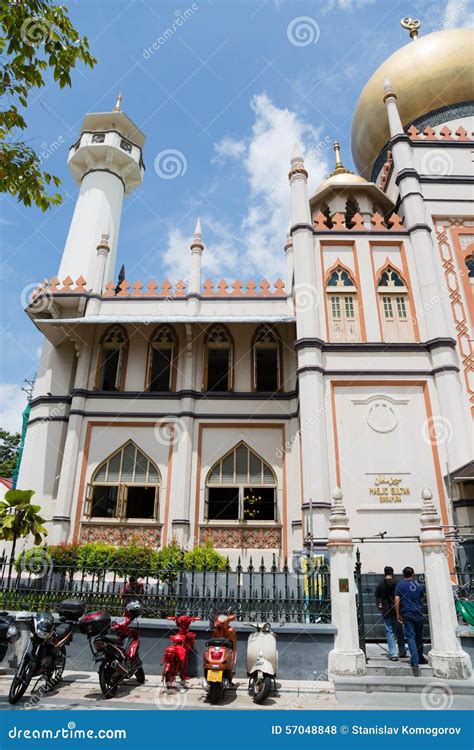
230,91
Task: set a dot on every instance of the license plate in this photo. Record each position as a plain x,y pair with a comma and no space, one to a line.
214,676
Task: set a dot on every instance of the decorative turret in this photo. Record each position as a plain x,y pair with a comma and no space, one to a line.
194,286
107,163
347,193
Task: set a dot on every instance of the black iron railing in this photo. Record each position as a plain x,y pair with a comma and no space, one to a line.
301,595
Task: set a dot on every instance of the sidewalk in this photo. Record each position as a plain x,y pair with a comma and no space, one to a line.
80,690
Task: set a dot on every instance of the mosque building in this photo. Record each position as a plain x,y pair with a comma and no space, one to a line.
229,411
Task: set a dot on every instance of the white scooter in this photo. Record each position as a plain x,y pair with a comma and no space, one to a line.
262,661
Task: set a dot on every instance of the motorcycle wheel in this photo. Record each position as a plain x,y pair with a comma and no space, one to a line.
215,691
20,681
140,675
108,680
260,688
57,674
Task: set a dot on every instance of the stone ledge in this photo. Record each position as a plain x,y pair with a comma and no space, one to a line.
375,684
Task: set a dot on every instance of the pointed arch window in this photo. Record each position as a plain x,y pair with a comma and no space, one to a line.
241,487
394,306
125,486
266,365
162,355
342,306
218,359
112,359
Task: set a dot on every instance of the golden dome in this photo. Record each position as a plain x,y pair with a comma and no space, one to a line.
429,73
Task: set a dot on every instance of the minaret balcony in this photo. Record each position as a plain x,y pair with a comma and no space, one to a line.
107,150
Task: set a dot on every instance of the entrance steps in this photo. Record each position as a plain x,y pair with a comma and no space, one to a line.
384,667
385,676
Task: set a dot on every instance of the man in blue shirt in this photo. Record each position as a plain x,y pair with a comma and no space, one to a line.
409,594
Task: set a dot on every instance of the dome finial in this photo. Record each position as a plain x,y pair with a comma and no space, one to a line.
412,25
117,103
339,168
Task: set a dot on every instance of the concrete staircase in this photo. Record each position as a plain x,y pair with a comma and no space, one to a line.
385,676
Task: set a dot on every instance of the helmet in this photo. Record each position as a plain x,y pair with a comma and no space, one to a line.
134,609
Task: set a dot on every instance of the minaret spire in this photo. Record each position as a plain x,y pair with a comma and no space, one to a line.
339,168
197,247
117,103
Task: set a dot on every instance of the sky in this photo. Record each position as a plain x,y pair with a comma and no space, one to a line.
221,97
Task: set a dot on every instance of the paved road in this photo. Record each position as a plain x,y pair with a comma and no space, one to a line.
80,690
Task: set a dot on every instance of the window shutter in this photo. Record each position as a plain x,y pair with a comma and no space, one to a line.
122,501
88,500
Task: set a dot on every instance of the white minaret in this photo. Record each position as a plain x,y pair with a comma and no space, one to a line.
107,163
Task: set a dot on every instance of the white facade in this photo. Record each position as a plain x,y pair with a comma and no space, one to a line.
241,406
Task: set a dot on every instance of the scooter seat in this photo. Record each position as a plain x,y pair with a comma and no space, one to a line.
220,642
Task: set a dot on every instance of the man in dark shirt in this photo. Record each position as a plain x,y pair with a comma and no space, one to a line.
409,595
385,600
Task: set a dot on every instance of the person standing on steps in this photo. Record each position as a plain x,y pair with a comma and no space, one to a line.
385,600
409,595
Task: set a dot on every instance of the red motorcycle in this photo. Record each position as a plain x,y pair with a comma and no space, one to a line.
175,658
116,647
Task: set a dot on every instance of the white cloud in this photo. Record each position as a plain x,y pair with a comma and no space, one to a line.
348,4
457,13
255,247
227,148
12,403
266,164
218,258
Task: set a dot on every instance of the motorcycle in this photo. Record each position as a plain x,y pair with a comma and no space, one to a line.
9,633
175,658
116,647
45,653
262,661
220,658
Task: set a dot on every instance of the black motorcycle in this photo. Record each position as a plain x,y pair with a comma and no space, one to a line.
9,633
45,654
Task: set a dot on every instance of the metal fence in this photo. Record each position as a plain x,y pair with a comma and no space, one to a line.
301,595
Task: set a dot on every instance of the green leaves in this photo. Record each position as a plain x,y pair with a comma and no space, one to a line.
19,518
36,36
9,444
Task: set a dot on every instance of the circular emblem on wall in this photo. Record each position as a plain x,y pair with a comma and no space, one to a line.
381,416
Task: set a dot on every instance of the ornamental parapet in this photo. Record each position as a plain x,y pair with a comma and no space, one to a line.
164,290
338,223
